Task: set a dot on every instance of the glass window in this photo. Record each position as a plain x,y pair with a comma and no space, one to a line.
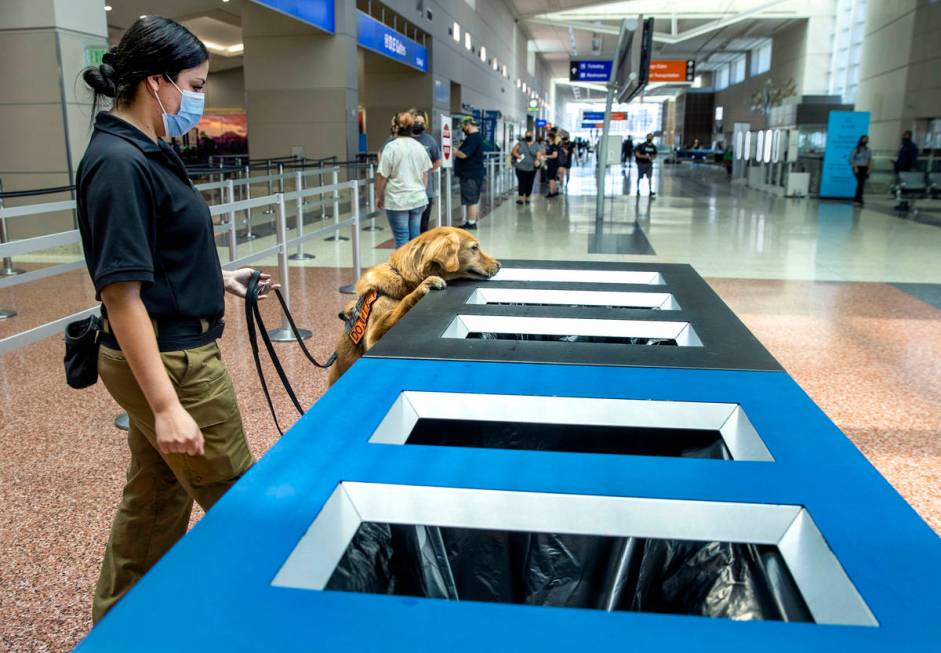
721,77
737,70
761,58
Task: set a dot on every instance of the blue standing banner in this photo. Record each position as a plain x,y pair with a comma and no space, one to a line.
318,13
843,131
375,36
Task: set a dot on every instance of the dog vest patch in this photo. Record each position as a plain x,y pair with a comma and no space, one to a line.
356,325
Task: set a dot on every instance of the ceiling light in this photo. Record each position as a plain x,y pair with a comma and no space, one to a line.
144,16
456,32
467,40
505,73
524,87
496,65
483,54
107,7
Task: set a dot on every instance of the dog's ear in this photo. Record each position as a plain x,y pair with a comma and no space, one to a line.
444,252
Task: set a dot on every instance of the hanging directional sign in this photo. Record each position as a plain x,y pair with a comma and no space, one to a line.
590,71
672,70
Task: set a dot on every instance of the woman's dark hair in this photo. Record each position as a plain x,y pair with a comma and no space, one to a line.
152,46
402,123
859,143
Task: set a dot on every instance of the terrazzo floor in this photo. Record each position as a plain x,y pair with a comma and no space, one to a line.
865,350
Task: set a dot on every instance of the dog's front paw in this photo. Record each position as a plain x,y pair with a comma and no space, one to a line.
435,283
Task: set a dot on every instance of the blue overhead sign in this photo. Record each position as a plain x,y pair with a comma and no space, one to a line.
590,71
589,116
375,36
843,131
540,122
318,13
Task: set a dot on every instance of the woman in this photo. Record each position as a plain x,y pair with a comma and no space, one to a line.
553,152
565,162
525,155
150,250
861,160
401,179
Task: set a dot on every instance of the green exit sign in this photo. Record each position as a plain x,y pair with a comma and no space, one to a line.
94,54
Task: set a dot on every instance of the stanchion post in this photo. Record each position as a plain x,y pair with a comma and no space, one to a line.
284,332
249,235
299,255
335,180
492,183
233,223
270,186
350,288
447,195
7,270
440,197
371,194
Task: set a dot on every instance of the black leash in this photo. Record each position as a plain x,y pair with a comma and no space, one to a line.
252,319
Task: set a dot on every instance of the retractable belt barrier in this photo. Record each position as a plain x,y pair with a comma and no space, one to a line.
287,331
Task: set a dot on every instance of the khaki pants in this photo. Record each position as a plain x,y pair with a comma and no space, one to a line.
158,497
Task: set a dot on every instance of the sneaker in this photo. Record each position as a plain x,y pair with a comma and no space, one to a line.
468,225
519,201
652,194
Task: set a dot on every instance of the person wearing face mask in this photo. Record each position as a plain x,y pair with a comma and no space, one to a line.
525,155
644,155
471,170
150,251
861,160
420,134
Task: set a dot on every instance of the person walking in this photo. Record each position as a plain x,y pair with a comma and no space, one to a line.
150,250
471,170
627,153
907,157
644,154
402,180
565,163
553,148
861,160
525,154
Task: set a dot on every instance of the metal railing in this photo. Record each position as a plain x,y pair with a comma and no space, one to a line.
228,210
444,186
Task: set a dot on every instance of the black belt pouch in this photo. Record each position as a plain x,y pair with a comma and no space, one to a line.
81,352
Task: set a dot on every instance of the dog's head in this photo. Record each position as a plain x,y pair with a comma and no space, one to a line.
449,253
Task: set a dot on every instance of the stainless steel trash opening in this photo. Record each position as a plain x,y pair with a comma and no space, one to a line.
731,560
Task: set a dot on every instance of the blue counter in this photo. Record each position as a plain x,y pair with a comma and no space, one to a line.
214,590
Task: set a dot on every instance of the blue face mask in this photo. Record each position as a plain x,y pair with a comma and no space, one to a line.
191,110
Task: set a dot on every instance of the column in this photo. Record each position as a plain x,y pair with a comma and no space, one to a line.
300,84
45,106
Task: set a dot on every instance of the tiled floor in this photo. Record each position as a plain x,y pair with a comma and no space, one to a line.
843,298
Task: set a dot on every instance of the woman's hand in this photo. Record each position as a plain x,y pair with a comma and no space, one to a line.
236,282
177,431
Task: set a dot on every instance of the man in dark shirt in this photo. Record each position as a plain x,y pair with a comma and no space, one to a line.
908,154
471,170
645,153
627,153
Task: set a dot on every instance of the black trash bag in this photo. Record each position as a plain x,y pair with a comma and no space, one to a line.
576,571
367,564
420,563
483,563
710,579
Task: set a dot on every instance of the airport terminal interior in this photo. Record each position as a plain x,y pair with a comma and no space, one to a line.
700,387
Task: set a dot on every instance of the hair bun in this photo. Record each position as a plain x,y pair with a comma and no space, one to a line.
110,56
102,79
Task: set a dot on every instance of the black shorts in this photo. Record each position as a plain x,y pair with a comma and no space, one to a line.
470,190
644,169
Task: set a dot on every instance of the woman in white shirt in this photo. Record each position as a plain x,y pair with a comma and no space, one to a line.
401,180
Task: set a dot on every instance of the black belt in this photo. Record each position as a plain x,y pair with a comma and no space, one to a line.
174,335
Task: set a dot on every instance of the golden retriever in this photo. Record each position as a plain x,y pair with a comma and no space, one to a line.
386,292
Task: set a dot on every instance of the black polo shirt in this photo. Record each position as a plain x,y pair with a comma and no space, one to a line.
141,219
645,148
